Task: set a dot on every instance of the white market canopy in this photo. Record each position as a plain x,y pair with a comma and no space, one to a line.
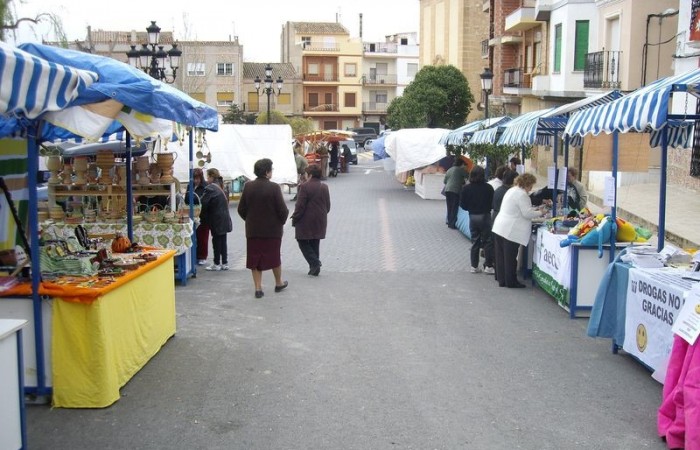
412,148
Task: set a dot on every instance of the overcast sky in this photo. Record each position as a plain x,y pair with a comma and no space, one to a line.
256,23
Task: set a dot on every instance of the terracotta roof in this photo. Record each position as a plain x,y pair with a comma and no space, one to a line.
319,28
285,70
124,37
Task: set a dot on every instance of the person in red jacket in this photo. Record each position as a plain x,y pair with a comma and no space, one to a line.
263,209
310,217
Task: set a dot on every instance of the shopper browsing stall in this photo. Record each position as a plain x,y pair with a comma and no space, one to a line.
512,228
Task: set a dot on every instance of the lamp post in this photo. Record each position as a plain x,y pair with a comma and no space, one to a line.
486,87
152,60
268,89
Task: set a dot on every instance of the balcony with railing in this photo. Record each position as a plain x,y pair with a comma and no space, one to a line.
517,81
317,78
374,107
372,79
323,107
320,46
602,70
380,47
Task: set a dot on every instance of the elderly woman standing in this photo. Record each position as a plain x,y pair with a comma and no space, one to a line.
310,217
263,209
216,217
512,229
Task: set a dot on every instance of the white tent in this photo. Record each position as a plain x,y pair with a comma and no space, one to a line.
412,148
235,148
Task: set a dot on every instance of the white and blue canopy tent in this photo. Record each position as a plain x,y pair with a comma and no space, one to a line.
461,135
546,127
644,110
47,84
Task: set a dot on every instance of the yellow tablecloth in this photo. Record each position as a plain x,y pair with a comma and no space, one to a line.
97,347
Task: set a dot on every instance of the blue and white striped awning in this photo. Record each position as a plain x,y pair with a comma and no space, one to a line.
539,128
644,110
522,129
461,135
487,136
31,85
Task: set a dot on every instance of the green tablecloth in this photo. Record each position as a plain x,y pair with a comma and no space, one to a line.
176,236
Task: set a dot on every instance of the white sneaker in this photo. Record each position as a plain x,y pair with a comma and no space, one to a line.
475,270
201,262
489,270
224,267
214,268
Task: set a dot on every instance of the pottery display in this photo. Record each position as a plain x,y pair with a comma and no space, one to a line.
54,165
105,161
165,162
80,166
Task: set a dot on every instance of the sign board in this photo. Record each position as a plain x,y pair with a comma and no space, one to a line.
633,149
654,301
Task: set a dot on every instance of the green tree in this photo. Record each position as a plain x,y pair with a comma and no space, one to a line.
438,97
301,126
276,118
234,115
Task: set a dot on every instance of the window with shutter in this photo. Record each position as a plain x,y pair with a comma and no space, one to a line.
581,45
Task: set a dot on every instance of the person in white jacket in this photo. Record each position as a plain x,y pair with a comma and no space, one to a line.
512,228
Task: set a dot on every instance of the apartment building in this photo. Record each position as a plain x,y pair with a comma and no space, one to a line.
255,101
329,62
387,68
456,32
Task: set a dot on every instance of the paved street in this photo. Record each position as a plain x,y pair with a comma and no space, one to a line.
394,346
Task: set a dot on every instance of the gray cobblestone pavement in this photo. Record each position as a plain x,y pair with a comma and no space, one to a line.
393,346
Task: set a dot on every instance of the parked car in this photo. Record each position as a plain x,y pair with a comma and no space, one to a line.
362,135
352,145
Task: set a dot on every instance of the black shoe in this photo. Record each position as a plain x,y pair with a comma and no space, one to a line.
259,294
281,287
315,271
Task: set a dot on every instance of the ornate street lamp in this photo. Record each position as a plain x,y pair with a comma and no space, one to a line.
486,87
152,60
268,89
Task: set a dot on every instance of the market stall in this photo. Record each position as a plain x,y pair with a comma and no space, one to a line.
86,110
418,149
95,313
647,110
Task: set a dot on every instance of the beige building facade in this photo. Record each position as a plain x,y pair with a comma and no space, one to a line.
456,32
329,63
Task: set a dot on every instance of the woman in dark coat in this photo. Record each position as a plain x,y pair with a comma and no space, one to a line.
263,209
310,217
477,199
202,229
216,216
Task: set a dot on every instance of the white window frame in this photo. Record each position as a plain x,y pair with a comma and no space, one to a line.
224,72
196,69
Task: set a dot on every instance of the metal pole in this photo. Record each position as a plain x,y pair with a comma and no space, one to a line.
486,113
267,91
